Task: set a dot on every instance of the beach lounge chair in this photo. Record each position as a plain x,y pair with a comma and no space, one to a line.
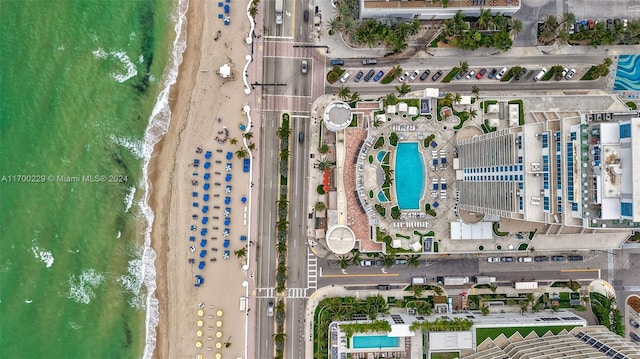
245,165
195,204
192,239
194,194
243,238
199,280
227,189
226,9
220,16
226,254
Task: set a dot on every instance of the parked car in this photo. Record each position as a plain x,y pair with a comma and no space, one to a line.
525,259
634,324
591,24
436,75
369,75
400,261
522,72
481,73
541,258
403,77
337,62
414,75
493,259
492,74
367,263
563,74
424,75
384,287
300,136
540,74
460,74
470,75
345,77
358,76
625,22
501,73
305,15
558,258
634,336
303,66
378,76
609,24
369,62
572,28
570,74
506,259
575,258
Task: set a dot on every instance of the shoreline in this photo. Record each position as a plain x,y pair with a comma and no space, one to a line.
165,152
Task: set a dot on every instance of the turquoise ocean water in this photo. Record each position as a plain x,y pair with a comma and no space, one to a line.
80,83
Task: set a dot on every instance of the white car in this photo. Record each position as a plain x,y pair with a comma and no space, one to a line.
493,259
414,75
345,77
570,74
403,77
501,73
525,259
470,75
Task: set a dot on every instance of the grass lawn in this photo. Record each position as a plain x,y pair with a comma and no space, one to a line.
445,355
484,333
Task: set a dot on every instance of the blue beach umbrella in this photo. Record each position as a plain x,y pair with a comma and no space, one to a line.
203,232
227,200
205,187
243,199
205,197
205,220
207,176
203,243
201,265
227,221
203,253
205,209
228,177
207,155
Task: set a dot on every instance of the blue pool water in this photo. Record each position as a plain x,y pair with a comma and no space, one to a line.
382,198
628,73
409,175
375,341
381,155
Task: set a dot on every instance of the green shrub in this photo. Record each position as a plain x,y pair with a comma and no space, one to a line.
632,105
395,212
454,71
320,189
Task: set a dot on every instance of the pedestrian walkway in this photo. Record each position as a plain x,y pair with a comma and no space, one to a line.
312,270
296,292
264,293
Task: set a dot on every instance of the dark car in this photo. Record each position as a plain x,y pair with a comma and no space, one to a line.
518,76
358,76
481,73
507,259
300,137
492,73
575,258
634,324
436,75
558,258
369,75
378,76
337,62
609,24
578,26
541,258
424,75
384,287
460,74
635,336
305,15
369,62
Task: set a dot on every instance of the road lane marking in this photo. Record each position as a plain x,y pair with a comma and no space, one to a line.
580,270
359,275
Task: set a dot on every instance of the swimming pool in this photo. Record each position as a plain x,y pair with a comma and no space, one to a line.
409,175
374,341
381,155
628,73
382,197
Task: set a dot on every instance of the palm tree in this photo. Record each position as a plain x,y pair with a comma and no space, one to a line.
253,11
344,93
227,344
345,262
284,155
320,206
413,261
355,97
391,99
241,253
355,259
282,225
516,70
233,141
387,260
333,25
567,19
248,135
515,27
251,146
484,19
464,66
241,153
403,89
556,69
395,72
417,290
283,132
323,163
457,98
473,113
448,99
475,90
281,247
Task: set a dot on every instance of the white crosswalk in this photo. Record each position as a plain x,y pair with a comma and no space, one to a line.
296,292
312,270
264,292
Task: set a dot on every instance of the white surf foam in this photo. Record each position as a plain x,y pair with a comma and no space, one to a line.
81,287
43,255
128,200
119,235
28,301
129,66
157,127
135,147
100,53
132,283
140,59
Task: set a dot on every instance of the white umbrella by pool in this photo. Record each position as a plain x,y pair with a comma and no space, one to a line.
200,312
200,323
198,344
219,323
219,335
199,333
219,313
218,345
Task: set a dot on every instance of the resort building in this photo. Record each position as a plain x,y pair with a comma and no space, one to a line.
433,9
592,342
575,171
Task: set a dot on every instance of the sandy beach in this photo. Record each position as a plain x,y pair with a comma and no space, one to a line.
208,314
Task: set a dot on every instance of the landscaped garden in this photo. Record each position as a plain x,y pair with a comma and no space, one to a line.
484,333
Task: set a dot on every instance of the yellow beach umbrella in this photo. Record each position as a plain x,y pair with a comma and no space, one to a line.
218,355
219,335
218,345
219,312
198,344
199,333
219,323
200,323
200,312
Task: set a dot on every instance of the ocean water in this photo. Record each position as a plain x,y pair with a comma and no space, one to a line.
83,92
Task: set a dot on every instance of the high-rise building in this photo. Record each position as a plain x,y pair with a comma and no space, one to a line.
574,171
